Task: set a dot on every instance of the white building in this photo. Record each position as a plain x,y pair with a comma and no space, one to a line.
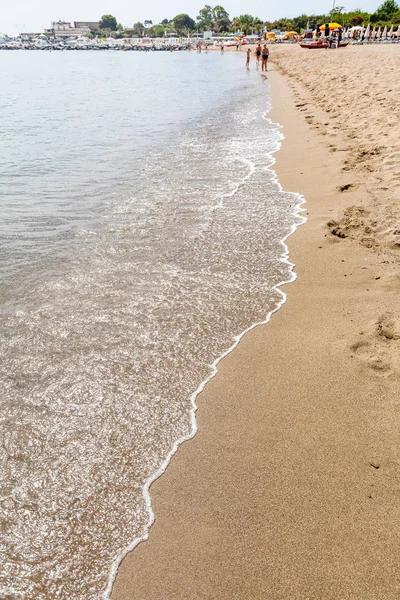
64,29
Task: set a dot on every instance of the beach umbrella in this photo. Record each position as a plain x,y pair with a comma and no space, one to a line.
390,34
384,33
331,26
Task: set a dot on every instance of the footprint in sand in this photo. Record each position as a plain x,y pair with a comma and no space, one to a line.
379,349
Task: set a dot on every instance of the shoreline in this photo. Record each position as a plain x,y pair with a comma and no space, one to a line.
292,473
284,257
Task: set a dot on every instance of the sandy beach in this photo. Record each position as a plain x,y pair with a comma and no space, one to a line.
290,488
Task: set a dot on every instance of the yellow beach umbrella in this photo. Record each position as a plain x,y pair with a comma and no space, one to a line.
290,33
271,34
331,26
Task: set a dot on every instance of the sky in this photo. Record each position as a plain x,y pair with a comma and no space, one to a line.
34,15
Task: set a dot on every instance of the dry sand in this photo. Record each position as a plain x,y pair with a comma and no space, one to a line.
290,489
352,96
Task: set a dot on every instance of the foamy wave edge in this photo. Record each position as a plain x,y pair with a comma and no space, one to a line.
284,258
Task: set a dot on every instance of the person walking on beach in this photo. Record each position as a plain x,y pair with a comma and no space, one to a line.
237,46
248,54
258,53
222,46
265,56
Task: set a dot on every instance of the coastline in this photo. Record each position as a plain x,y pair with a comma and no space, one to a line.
284,257
292,473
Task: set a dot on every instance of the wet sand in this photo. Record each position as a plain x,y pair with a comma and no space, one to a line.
290,488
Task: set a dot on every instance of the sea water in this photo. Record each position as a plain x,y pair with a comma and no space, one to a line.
141,233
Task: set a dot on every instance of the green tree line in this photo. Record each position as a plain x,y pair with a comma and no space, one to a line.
218,20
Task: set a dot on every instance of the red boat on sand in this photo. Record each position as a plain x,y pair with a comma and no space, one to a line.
320,44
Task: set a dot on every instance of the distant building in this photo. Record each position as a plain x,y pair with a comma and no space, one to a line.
92,25
64,29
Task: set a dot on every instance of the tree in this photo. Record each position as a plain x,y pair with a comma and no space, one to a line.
183,22
205,14
157,30
108,22
301,21
336,17
246,23
284,24
205,18
389,7
164,22
218,13
385,11
223,24
138,29
356,20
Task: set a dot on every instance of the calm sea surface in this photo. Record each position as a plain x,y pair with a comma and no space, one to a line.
140,232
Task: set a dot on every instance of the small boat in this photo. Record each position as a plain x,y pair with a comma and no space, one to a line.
314,44
230,43
321,44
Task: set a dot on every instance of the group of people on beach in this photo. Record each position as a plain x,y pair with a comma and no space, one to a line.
333,37
199,47
262,53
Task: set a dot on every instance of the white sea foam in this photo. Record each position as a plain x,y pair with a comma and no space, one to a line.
114,310
284,258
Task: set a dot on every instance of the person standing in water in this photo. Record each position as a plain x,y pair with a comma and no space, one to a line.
258,53
265,56
248,54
